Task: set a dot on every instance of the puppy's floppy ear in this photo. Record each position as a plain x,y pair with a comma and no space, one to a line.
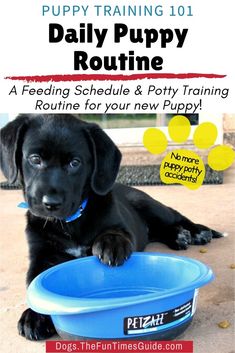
10,142
107,158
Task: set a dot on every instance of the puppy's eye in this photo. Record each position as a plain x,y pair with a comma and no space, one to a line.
74,163
35,160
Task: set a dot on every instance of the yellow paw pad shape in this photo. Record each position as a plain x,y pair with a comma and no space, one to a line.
183,166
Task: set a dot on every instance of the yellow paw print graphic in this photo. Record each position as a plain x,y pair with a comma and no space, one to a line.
183,166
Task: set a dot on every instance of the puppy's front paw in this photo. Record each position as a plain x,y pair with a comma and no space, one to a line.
112,249
34,326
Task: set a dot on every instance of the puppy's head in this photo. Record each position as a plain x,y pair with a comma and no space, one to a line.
59,160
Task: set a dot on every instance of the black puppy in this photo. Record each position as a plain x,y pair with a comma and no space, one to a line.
67,169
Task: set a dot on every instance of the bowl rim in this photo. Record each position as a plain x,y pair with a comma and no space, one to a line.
44,301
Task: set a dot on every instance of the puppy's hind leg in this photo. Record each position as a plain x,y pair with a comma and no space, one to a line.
180,236
169,226
200,234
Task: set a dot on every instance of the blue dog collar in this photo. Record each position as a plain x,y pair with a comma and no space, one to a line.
69,219
77,214
23,205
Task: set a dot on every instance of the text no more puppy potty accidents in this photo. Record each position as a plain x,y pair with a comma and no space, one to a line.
183,166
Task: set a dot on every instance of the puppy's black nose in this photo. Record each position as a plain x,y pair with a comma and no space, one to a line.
52,203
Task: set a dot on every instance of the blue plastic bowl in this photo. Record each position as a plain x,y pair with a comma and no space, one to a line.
152,296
